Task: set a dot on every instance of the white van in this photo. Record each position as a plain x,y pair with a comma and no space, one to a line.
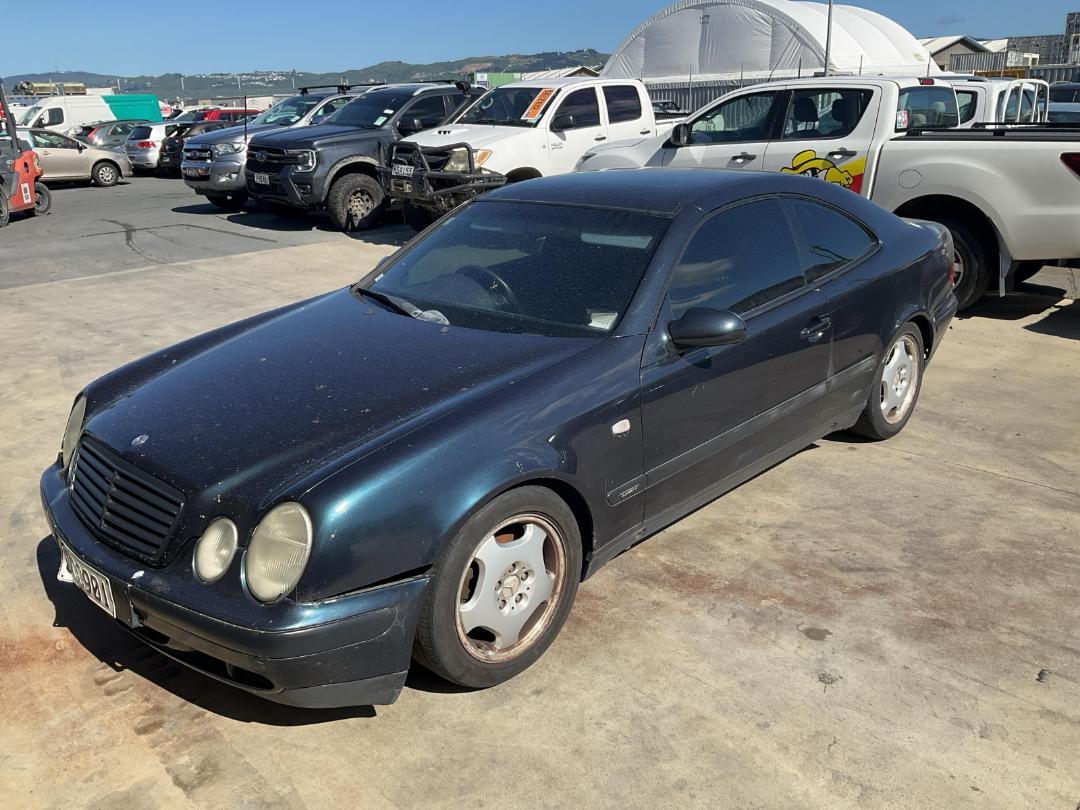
63,113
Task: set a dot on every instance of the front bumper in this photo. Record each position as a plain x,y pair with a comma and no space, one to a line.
286,187
410,176
217,177
347,651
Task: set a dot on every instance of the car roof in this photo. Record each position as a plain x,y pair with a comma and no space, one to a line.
662,191
564,82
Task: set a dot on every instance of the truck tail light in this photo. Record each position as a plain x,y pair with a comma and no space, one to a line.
145,145
1072,160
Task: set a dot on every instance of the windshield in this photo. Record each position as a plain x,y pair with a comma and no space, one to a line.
1064,95
288,112
189,116
531,268
28,116
509,107
369,111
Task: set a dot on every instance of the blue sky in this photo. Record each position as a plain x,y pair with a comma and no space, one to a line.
329,35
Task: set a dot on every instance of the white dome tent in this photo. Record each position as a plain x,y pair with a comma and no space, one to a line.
733,42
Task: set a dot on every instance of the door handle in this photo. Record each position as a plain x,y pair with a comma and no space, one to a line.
842,153
644,132
744,156
816,329
600,138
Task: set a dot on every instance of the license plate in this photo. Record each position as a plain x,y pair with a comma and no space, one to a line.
262,179
401,186
94,585
402,170
196,172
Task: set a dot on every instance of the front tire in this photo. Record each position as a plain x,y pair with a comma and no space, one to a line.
972,264
42,200
228,202
503,588
105,174
896,387
356,202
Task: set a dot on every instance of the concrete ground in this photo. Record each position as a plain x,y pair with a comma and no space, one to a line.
865,625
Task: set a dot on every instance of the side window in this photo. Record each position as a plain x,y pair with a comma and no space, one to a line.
965,100
430,109
623,103
824,113
739,260
329,108
582,104
1027,105
745,118
48,140
1012,107
927,106
54,116
827,239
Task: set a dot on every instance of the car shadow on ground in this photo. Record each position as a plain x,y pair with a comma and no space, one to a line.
392,231
1062,315
111,644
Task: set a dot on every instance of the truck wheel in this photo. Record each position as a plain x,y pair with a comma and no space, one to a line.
417,217
227,202
501,589
5,208
972,267
42,200
356,202
896,386
105,174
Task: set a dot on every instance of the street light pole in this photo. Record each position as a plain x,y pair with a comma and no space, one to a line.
828,39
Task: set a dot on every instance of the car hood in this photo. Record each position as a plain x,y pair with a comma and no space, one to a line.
230,134
323,134
274,402
477,136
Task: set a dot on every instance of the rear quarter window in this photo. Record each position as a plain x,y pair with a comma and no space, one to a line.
140,133
966,103
623,103
927,106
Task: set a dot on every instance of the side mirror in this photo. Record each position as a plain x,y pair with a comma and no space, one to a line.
702,326
563,122
410,126
680,135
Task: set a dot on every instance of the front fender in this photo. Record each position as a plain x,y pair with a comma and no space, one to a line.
390,512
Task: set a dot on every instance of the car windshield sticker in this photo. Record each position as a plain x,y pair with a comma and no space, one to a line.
902,119
537,106
380,120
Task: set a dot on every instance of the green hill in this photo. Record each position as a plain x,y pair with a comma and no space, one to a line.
265,82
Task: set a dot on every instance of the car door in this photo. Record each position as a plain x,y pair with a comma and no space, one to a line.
826,132
581,110
731,135
60,156
711,413
623,108
838,255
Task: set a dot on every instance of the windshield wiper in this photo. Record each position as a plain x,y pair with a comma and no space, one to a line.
404,307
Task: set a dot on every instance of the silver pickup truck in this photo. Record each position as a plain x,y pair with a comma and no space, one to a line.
213,164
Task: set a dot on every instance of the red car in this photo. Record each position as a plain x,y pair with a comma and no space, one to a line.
225,114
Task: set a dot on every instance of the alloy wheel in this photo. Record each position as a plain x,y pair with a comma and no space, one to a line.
899,379
511,588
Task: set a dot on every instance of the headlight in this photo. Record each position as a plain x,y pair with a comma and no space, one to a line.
215,550
278,552
227,148
305,159
459,160
73,430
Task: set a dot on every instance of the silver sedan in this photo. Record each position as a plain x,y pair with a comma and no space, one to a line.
63,158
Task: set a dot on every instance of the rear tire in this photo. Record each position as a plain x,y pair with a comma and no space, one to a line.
972,263
521,552
356,202
42,200
897,383
417,217
105,174
228,202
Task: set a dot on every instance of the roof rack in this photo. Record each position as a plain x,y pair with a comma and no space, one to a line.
341,88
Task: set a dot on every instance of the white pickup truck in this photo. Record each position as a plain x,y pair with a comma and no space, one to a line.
514,132
1001,100
1009,195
